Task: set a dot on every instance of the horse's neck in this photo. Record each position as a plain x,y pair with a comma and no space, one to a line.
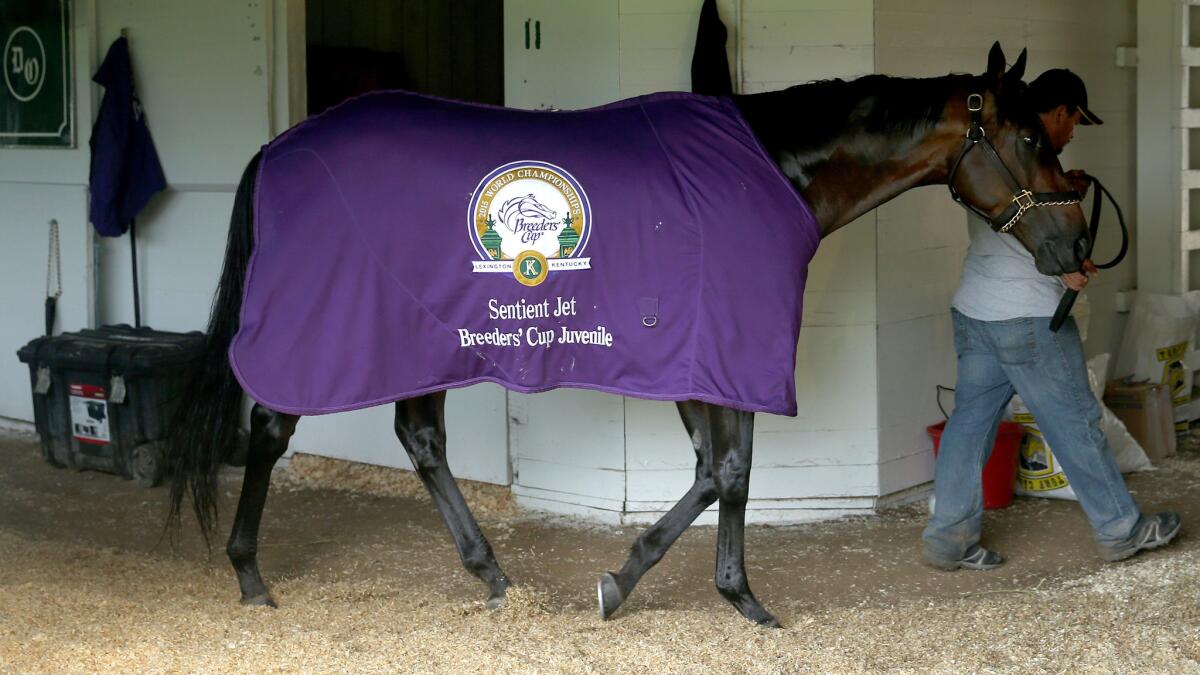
850,170
848,185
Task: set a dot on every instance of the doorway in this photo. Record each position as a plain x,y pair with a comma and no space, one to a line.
450,49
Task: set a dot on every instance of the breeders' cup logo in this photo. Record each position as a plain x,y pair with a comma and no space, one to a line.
529,219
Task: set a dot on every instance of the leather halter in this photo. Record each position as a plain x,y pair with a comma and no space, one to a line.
1022,199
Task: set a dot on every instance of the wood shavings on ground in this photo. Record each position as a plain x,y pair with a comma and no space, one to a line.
73,609
306,471
371,583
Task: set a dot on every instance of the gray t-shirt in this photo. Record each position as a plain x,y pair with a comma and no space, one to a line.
999,280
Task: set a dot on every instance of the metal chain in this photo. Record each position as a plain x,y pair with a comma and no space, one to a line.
54,262
1022,208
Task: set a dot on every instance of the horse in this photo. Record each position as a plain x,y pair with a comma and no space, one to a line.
514,211
844,146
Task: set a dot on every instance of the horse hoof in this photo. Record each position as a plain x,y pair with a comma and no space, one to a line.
495,602
260,600
608,594
769,622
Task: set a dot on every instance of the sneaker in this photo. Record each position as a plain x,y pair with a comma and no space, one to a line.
1153,532
977,558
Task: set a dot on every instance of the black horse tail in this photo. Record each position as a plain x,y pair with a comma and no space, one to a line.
205,426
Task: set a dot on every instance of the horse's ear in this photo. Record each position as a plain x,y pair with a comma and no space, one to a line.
1017,72
995,67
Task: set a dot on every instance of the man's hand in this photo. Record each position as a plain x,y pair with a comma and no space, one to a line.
1078,180
1077,281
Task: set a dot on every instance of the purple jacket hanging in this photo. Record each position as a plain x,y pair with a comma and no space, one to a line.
406,244
125,171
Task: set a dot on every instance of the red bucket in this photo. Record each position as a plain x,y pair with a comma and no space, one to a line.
1000,472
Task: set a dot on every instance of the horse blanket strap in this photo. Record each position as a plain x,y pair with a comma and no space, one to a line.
1022,199
406,244
1068,299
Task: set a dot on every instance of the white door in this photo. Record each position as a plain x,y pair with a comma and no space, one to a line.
560,53
567,446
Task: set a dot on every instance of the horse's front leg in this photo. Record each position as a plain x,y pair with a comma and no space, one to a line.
733,434
421,427
270,432
653,543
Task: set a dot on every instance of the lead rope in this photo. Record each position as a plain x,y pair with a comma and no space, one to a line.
53,277
1068,298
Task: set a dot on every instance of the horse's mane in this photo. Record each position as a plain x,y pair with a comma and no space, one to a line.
880,103
807,117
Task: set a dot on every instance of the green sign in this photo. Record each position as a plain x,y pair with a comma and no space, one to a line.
36,90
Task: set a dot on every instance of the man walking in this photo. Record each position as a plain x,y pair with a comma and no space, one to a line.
1001,315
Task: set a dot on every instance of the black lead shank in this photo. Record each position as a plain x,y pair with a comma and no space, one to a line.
1068,299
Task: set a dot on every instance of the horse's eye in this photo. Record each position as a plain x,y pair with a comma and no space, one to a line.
1031,141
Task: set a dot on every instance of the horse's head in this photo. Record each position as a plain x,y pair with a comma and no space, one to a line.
528,207
525,206
1007,169
532,208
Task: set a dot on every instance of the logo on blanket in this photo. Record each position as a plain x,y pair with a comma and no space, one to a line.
529,219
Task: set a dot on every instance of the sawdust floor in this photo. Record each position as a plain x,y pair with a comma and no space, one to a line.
371,582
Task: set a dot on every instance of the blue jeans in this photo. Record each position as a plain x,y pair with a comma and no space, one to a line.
1048,370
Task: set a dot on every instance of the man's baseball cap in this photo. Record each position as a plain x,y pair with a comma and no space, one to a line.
1060,86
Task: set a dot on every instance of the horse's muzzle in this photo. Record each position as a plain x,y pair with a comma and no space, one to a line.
1058,256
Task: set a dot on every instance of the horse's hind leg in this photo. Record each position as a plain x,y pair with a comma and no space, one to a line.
652,544
421,426
733,434
270,432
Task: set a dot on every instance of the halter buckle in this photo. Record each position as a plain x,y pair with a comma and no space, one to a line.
1027,196
975,131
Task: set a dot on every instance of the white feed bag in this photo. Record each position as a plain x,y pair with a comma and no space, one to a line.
1039,473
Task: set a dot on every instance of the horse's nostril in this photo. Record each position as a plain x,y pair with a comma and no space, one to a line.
1081,248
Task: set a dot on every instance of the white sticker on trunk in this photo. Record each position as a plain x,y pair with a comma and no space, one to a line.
89,414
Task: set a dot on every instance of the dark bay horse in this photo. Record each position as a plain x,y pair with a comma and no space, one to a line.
847,147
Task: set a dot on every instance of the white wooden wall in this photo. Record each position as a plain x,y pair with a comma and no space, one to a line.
37,185
1159,152
220,98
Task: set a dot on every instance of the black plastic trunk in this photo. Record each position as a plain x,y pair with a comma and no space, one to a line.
103,398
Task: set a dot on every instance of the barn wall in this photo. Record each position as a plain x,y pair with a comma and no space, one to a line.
922,235
196,68
1162,266
37,185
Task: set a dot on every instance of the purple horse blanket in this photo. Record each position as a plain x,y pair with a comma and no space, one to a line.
407,244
